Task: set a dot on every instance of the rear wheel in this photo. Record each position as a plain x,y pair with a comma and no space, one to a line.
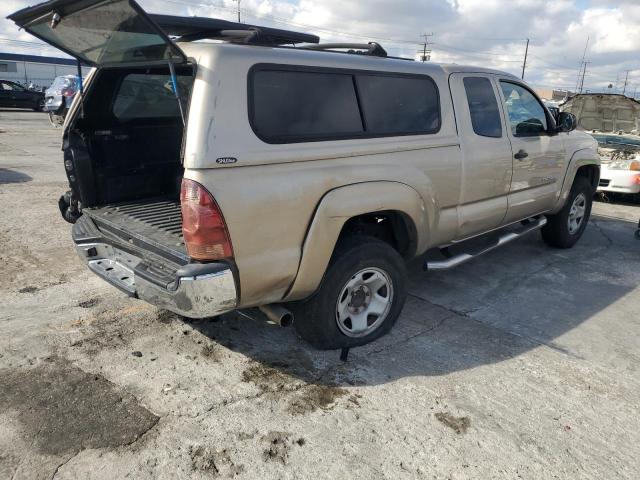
360,298
39,105
566,227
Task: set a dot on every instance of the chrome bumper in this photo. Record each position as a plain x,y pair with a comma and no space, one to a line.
196,290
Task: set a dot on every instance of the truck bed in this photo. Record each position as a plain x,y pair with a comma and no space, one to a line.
156,222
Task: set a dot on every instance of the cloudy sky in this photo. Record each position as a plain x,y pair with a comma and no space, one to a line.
478,32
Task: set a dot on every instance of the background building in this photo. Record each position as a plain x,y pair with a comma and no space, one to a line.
35,69
552,94
604,112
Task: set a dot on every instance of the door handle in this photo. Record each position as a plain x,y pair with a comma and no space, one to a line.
521,155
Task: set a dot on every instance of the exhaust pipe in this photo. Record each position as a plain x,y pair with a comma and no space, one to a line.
277,314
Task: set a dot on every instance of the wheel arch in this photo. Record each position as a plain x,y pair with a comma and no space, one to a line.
393,227
584,162
391,211
591,172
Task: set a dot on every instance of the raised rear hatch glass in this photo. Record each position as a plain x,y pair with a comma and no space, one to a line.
99,32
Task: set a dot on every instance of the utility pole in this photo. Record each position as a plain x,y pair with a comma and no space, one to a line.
584,54
626,79
426,36
238,10
526,52
584,72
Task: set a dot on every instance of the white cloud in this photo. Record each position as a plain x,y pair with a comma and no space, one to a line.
481,32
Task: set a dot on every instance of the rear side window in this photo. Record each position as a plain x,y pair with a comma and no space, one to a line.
11,86
483,106
149,96
399,105
304,105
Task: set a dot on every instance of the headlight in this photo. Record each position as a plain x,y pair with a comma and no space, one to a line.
633,165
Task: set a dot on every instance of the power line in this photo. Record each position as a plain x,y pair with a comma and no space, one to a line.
406,43
284,21
464,50
25,42
424,49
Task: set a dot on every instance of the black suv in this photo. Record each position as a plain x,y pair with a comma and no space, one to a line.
14,95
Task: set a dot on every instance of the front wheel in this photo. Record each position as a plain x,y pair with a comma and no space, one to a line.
566,227
360,298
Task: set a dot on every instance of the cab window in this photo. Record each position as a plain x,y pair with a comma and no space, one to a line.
526,114
483,107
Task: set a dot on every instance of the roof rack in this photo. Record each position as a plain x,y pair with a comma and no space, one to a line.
372,48
190,29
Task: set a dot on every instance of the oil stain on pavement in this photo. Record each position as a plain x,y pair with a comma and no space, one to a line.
64,409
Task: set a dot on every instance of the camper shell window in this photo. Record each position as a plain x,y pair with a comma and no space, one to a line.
295,104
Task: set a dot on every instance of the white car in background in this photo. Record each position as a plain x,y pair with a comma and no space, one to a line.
620,168
620,175
58,97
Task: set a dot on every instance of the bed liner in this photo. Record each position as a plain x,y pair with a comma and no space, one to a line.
156,221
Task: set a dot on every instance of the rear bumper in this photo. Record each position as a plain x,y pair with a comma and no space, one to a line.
193,290
53,104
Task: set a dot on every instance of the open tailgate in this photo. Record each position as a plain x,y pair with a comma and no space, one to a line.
99,32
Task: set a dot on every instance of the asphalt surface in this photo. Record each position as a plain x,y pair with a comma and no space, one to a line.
521,364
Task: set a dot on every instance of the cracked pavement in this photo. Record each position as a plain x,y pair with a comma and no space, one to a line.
521,364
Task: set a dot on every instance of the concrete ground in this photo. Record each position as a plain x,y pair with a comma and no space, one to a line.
522,364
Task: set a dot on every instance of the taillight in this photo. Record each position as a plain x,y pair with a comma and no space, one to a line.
205,232
69,92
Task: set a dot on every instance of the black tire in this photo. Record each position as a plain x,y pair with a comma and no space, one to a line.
315,317
556,232
39,106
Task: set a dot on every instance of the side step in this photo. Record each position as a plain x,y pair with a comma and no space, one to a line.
531,225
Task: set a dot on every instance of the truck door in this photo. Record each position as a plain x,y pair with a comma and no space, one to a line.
6,95
538,153
13,95
486,152
21,96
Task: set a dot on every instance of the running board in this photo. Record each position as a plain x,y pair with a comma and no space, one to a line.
533,224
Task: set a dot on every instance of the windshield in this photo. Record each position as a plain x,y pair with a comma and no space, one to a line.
61,82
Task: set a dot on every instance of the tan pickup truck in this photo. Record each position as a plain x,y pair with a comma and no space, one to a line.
264,169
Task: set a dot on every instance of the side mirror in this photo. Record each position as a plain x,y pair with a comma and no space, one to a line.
567,122
529,128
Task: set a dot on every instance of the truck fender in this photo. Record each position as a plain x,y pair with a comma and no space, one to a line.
580,158
335,209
